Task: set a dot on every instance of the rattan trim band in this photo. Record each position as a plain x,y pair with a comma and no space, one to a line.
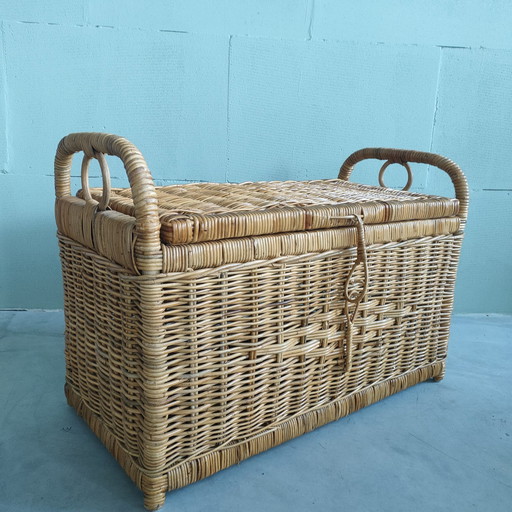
252,263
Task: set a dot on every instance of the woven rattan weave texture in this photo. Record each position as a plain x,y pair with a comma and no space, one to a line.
202,212
209,322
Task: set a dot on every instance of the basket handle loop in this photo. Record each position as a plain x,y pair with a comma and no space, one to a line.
147,247
105,175
403,156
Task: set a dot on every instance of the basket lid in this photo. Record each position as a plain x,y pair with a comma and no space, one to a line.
200,212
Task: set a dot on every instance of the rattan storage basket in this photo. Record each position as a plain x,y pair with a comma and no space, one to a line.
208,322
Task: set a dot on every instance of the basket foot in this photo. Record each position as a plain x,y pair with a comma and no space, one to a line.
67,394
440,376
154,501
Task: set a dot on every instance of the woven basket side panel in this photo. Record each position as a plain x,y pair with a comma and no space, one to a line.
253,346
103,353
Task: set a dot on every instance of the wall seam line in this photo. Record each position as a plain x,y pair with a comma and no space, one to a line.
85,12
5,98
310,9
434,115
226,172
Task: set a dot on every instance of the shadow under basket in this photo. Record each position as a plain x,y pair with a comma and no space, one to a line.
208,322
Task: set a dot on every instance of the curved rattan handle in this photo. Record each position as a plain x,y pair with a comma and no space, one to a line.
148,251
403,156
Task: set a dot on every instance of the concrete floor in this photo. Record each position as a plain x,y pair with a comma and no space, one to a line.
435,447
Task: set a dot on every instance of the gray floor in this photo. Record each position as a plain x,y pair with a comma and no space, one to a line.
435,447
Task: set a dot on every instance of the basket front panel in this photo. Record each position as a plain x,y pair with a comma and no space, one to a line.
250,347
185,363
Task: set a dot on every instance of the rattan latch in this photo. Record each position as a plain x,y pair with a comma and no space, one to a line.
355,287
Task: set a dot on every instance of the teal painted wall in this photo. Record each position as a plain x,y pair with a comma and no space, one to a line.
251,90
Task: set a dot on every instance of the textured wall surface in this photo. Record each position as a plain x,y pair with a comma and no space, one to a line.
253,90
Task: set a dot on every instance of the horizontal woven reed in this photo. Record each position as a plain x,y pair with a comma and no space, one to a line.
187,359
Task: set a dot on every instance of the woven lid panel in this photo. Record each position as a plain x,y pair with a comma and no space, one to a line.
200,212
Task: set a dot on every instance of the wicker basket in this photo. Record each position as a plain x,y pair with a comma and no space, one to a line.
208,322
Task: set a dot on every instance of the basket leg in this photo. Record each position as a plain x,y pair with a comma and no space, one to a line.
68,395
439,377
154,500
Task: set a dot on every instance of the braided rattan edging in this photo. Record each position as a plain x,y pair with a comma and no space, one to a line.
155,487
